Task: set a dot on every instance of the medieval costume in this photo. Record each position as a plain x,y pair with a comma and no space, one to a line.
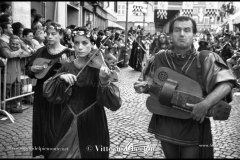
81,119
78,127
188,132
42,109
137,54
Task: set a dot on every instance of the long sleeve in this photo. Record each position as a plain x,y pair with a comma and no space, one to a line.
5,51
215,71
54,90
10,54
109,96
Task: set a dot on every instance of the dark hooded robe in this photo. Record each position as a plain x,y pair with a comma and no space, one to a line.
137,54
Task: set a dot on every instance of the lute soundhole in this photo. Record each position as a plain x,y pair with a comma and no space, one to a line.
162,76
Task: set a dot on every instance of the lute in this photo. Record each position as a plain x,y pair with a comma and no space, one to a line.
47,64
170,91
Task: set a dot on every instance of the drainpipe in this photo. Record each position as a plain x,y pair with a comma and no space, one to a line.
126,38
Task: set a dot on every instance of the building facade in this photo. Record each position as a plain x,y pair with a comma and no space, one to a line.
79,13
200,11
136,18
102,14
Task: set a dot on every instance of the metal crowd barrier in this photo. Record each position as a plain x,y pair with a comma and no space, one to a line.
24,90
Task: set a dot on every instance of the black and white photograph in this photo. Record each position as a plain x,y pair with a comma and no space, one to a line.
120,79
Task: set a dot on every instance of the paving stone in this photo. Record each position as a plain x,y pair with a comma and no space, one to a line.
128,124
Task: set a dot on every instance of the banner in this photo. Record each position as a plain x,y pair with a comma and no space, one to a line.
187,9
162,10
139,8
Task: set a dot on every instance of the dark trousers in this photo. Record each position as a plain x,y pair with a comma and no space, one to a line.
177,151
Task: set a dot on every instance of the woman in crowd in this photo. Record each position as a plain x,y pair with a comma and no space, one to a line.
42,109
80,119
39,38
158,44
37,22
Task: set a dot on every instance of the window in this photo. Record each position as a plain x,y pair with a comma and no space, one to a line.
121,9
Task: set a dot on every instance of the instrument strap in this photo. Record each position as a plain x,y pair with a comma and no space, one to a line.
184,68
199,68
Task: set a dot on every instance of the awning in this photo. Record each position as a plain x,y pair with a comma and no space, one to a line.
113,25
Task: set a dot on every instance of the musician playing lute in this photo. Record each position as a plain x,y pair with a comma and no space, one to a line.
184,138
42,109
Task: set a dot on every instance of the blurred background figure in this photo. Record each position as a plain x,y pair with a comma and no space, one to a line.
33,14
39,38
203,45
18,28
37,22
6,9
159,43
137,54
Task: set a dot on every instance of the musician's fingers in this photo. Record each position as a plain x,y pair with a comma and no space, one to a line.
64,59
72,79
67,79
138,89
189,105
36,68
138,85
104,71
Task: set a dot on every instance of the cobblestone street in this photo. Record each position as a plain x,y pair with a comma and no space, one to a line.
127,126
